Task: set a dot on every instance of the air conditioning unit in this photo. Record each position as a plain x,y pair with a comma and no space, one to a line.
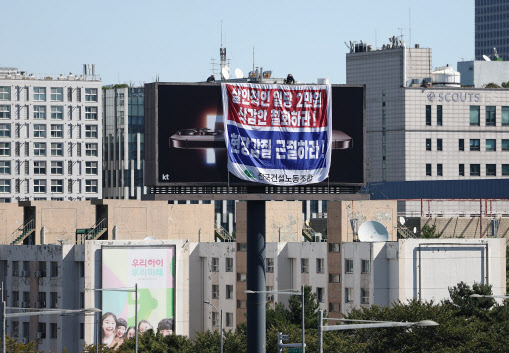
40,335
25,304
24,340
37,274
40,304
25,273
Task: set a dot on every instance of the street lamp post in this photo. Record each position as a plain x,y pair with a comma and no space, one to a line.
130,290
289,292
489,296
365,324
5,315
220,320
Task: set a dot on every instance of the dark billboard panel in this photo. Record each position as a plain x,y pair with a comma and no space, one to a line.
185,143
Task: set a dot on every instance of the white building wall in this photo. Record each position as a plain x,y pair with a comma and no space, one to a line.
21,105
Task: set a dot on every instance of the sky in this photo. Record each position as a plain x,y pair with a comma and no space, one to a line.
137,41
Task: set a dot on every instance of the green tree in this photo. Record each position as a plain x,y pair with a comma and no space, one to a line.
492,85
430,232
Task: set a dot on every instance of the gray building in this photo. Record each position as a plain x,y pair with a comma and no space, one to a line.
429,139
479,73
123,142
50,134
491,28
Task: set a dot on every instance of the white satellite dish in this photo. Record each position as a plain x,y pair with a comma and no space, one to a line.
307,222
239,73
150,238
225,73
402,220
415,230
373,231
486,57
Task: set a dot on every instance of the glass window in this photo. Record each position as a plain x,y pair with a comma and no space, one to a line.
491,116
69,94
241,246
57,112
5,111
229,291
505,116
91,149
5,185
241,277
365,266
364,296
491,145
439,144
90,185
334,247
90,113
215,319
5,93
5,130
57,186
269,265
57,130
40,130
53,328
439,115
214,265
57,94
57,167
215,291
229,319
475,145
57,149
475,115
40,94
348,265
5,148
505,145
348,295
461,170
320,294
5,167
491,170
334,277
91,131
91,94
320,265
304,265
475,170
428,144
428,115
428,169
39,167
439,169
39,112
461,144
39,149
39,186
505,169
91,168
229,264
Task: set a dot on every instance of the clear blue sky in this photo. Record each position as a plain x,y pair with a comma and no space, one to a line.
133,41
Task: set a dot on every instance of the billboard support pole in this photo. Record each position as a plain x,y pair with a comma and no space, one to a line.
256,326
136,316
98,333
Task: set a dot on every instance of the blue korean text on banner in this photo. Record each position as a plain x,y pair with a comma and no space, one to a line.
278,134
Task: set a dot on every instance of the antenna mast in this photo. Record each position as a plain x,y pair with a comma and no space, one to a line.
222,53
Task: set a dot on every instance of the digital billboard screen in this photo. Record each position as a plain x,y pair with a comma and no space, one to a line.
153,270
185,129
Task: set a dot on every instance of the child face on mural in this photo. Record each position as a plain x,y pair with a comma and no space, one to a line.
109,325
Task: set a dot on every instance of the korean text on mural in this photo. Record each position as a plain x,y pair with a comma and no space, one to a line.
283,178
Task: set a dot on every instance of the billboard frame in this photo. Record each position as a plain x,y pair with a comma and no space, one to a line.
174,246
151,171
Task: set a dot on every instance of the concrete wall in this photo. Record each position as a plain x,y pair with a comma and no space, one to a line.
11,218
283,221
60,219
193,222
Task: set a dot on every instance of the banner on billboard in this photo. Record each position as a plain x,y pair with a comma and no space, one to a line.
278,134
153,270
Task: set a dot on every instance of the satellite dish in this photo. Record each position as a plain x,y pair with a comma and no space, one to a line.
307,222
371,231
486,57
239,73
150,238
402,220
225,73
415,230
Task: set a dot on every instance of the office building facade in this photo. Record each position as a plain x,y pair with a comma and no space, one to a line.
491,28
50,137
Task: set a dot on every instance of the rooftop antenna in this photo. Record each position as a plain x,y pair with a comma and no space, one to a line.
222,54
253,59
400,33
